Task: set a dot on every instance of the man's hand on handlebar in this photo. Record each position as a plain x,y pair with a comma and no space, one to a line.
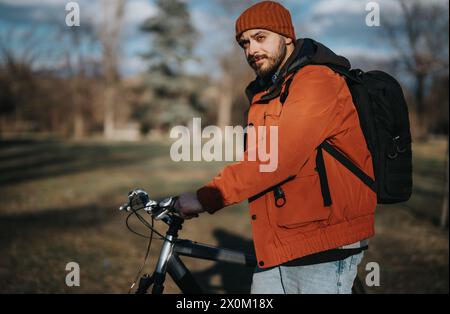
188,206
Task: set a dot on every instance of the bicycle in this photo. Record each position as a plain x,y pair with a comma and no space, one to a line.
172,248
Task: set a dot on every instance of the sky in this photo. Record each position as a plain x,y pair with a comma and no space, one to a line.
339,24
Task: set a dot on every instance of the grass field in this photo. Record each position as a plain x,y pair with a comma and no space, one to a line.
59,204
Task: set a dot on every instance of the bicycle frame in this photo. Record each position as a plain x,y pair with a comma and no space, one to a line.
169,261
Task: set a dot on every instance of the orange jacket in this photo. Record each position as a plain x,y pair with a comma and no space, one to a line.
319,107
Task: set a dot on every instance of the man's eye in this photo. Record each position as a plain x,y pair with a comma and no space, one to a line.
260,38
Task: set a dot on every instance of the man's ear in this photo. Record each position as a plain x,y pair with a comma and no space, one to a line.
288,41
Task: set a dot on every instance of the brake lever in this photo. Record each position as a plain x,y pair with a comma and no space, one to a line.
125,207
160,210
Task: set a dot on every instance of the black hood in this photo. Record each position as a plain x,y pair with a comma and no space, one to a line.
317,53
306,52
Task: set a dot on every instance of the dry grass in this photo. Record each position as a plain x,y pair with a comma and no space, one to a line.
59,203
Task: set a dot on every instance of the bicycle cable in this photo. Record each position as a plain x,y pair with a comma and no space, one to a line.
145,223
152,231
147,253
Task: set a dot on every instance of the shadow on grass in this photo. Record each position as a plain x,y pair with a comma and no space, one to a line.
234,278
42,159
36,247
53,219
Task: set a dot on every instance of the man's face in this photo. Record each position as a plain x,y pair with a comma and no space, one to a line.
265,50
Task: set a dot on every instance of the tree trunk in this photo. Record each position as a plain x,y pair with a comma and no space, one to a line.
444,214
225,103
110,37
108,122
422,129
78,128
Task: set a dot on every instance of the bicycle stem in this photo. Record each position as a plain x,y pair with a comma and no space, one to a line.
166,252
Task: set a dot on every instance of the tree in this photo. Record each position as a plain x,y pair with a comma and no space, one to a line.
235,73
444,209
173,38
20,86
36,95
110,37
16,73
80,66
421,41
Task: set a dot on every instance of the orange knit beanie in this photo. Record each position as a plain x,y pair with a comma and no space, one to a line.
267,15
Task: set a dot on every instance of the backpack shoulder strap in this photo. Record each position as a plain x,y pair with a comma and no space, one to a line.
349,165
353,76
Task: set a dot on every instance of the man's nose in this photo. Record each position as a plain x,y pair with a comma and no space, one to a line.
252,49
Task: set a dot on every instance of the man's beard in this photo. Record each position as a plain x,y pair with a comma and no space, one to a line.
272,63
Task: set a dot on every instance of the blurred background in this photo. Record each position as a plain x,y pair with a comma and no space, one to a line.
85,113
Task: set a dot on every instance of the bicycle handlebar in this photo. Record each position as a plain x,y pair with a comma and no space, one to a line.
139,199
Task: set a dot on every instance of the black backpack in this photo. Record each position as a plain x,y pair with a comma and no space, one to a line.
384,120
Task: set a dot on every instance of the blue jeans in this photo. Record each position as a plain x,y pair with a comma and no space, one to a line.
327,278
